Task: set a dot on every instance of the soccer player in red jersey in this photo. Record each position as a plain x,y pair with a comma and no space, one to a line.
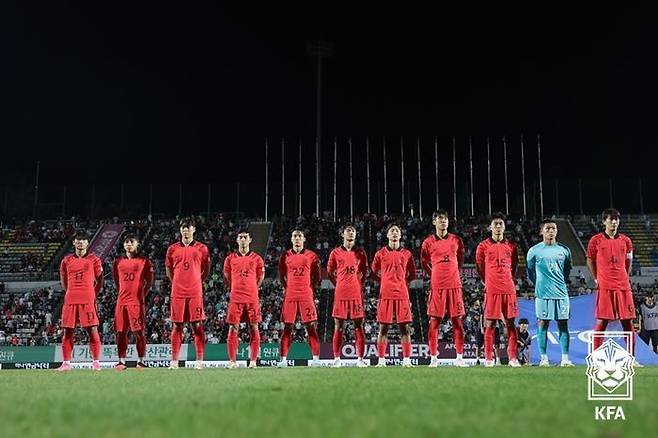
133,277
394,268
299,272
244,271
496,259
609,258
442,258
188,265
81,275
347,269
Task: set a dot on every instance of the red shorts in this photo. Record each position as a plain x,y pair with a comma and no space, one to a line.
348,309
85,314
400,308
248,312
129,316
187,309
500,306
614,304
442,301
306,309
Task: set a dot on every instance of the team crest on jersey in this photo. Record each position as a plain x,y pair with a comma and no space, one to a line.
610,368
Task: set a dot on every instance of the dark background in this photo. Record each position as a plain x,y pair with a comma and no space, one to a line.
107,94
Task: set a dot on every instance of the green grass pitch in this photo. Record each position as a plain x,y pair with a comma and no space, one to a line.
443,402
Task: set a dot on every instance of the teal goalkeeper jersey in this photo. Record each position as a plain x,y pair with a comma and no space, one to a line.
548,269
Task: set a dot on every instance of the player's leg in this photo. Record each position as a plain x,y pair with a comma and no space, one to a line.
653,336
405,337
178,308
600,326
542,341
313,341
382,340
360,341
68,324
489,332
233,317
433,340
94,346
121,327
604,313
199,342
284,344
140,343
455,310
337,340
458,332
563,335
510,329
254,344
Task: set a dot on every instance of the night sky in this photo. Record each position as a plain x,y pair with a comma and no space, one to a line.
188,93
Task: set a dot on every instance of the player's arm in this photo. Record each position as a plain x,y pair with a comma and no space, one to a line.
315,271
567,265
425,259
169,265
115,274
205,264
460,254
411,269
530,266
63,278
480,259
515,260
363,266
592,249
375,268
331,268
629,256
98,274
283,270
260,272
227,272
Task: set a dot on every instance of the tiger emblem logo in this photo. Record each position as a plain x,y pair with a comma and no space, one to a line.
610,366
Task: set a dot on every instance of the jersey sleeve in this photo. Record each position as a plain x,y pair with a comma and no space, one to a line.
425,259
62,269
363,264
169,258
227,267
376,265
480,259
593,247
283,268
567,263
515,259
115,273
205,262
411,267
315,270
98,267
629,248
260,269
460,253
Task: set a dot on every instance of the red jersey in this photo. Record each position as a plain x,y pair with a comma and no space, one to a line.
242,273
441,259
131,276
610,255
496,263
397,268
347,270
80,274
188,263
299,272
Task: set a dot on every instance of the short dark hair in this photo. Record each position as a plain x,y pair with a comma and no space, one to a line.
81,235
130,236
187,222
523,321
498,215
391,225
611,213
297,230
546,221
243,231
440,213
347,225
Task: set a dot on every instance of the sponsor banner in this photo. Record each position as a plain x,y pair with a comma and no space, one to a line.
87,365
215,363
298,350
446,350
105,240
649,270
82,353
27,354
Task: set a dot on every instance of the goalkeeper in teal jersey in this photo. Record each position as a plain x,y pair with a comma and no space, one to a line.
549,264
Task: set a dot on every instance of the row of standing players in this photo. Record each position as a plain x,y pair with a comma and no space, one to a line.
442,255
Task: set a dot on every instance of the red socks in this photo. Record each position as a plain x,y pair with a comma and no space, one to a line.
627,325
313,340
406,349
360,336
433,336
488,342
254,344
140,343
286,338
232,345
176,341
199,341
95,344
67,344
598,340
458,334
337,342
381,349
122,344
511,342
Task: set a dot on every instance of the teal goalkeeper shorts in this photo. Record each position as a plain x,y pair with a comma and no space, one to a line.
552,308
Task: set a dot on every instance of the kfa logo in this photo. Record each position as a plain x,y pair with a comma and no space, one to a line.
610,367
